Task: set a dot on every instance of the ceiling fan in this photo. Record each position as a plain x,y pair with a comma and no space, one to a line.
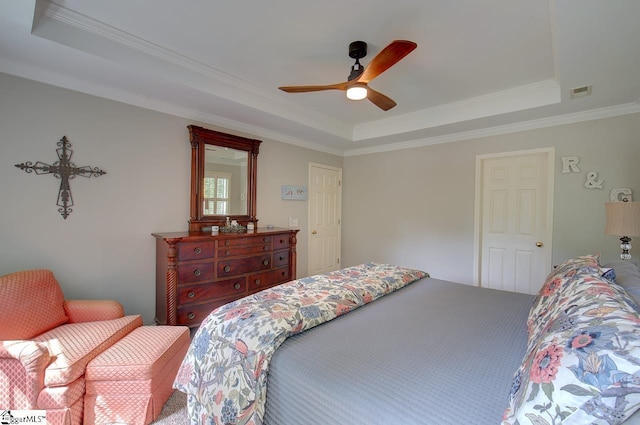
357,84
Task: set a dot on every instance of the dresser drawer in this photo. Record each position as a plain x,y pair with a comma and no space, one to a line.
195,272
193,315
204,292
231,251
280,258
195,250
261,281
243,265
251,240
280,241
198,272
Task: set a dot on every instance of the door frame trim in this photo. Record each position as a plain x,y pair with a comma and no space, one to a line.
477,220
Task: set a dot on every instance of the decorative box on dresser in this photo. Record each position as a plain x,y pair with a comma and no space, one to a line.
197,272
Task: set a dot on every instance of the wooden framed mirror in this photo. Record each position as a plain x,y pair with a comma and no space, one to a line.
223,178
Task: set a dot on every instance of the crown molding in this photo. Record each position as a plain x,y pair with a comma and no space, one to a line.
64,81
593,114
541,93
57,23
126,97
47,11
53,19
65,26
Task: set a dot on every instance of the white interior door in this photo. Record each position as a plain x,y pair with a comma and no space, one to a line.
325,209
516,203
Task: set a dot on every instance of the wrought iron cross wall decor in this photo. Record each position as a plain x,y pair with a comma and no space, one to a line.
65,170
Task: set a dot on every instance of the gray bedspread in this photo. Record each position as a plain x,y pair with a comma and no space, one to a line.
434,352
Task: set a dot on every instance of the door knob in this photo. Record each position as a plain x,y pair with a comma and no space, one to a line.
539,244
315,232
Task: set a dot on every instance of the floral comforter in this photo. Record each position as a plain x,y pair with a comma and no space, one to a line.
224,372
583,357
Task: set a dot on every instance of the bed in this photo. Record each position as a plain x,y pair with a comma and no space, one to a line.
418,350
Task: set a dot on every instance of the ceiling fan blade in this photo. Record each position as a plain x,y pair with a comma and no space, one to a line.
305,89
388,57
380,100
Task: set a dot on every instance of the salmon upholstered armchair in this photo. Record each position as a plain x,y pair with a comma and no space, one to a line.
47,342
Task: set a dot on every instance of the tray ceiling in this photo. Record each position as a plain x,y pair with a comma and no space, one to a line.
480,68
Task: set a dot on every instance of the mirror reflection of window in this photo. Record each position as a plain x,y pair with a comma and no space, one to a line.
216,193
230,164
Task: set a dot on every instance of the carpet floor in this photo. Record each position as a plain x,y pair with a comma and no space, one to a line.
174,411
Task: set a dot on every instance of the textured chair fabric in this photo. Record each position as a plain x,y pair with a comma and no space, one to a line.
132,380
47,342
73,345
92,310
21,372
71,415
61,397
32,303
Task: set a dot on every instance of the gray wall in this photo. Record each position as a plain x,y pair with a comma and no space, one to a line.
412,207
415,207
105,248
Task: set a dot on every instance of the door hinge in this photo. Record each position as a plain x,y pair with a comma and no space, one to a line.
339,182
338,260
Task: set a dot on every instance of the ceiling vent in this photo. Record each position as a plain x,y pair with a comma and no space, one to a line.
580,91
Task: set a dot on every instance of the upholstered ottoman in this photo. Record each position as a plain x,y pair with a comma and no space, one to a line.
131,381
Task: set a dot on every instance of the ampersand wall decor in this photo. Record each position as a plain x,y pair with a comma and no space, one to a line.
64,170
593,182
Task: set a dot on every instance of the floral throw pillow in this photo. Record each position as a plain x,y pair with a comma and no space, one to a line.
583,367
559,278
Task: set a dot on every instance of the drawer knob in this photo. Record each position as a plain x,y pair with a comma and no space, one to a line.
266,248
226,243
197,272
191,294
264,239
191,316
257,281
281,240
237,286
265,262
227,269
227,252
281,258
197,250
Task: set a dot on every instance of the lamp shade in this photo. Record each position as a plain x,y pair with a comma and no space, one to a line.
623,218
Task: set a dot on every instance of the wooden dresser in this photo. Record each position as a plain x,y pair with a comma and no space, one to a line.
197,272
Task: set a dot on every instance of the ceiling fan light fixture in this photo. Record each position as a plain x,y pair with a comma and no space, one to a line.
357,84
357,92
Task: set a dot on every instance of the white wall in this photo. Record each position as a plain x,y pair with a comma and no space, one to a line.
429,223
105,248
